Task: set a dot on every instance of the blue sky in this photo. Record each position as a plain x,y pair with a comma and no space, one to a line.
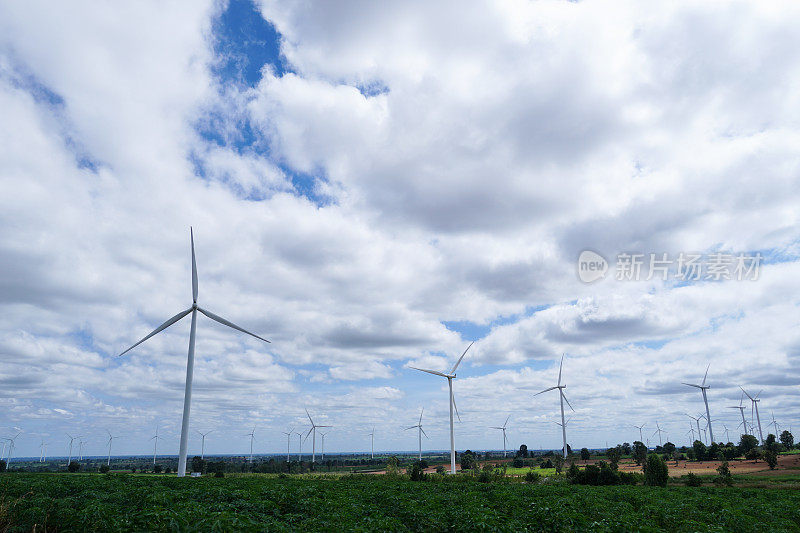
375,187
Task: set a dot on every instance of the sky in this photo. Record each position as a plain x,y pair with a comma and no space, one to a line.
373,186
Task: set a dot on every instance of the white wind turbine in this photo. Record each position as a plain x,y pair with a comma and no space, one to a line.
300,452
563,398
42,451
727,437
774,424
323,445
71,440
187,398
703,388
450,377
754,400
313,433
691,428
697,421
420,432
110,442
659,431
641,439
288,439
12,443
155,438
80,449
252,436
741,409
371,436
203,444
503,429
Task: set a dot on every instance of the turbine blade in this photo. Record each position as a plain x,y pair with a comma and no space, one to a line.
420,415
423,432
560,367
160,328
506,422
545,390
429,371
456,408
462,357
309,417
194,268
565,399
745,392
704,377
221,320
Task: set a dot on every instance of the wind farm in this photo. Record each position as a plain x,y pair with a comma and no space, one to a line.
458,267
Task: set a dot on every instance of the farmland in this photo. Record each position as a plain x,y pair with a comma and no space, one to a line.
127,502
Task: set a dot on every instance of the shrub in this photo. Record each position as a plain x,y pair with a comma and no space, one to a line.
656,472
219,473
724,476
74,466
771,458
168,470
2,466
104,469
518,462
692,480
157,469
546,464
532,477
753,454
468,460
440,469
416,471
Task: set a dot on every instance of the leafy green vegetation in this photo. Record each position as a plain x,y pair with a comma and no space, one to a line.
119,502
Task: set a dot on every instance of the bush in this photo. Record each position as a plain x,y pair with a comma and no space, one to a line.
692,480
656,472
546,464
468,460
74,466
440,469
219,473
518,462
724,476
157,469
771,458
104,469
2,466
754,454
416,471
168,470
600,474
532,477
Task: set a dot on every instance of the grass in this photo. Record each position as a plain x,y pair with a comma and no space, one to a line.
544,472
257,503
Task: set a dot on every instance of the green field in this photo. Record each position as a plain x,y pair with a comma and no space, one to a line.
116,502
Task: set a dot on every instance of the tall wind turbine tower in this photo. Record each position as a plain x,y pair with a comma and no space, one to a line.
110,442
741,409
563,398
371,436
450,377
155,438
323,445
71,440
703,388
313,433
641,439
420,432
754,400
252,436
187,397
288,439
659,431
697,421
503,429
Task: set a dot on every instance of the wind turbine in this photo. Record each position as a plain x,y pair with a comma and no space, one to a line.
697,421
71,440
641,439
703,388
450,377
252,436
80,449
42,451
187,398
300,452
12,443
313,432
691,431
503,429
323,445
288,438
371,436
203,444
110,442
754,400
741,409
727,437
563,398
420,432
659,431
155,438
774,424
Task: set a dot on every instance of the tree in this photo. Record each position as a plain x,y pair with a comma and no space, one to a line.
770,442
614,454
416,471
468,460
585,455
753,454
523,451
724,476
440,469
639,452
771,458
198,464
157,469
787,439
2,466
626,448
104,469
747,443
669,448
74,466
559,463
700,450
656,472
518,462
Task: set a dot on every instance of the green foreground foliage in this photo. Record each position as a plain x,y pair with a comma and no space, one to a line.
120,502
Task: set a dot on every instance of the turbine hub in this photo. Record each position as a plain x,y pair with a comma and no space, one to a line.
194,306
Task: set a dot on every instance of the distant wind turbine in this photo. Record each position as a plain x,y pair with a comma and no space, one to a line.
450,377
503,429
300,452
155,438
741,409
203,444
703,388
697,421
71,440
110,442
641,439
187,398
774,424
252,436
288,439
754,400
420,432
12,443
659,431
313,433
371,436
563,398
80,449
323,445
